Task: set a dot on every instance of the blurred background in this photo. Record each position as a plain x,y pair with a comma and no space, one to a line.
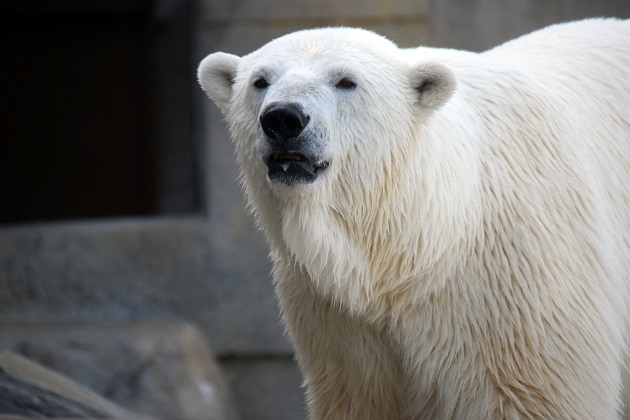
120,212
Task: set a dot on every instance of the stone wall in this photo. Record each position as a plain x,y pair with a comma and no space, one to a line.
482,24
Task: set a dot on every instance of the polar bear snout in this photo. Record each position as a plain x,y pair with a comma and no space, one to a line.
291,152
283,121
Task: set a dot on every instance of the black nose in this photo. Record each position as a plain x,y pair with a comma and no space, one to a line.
283,121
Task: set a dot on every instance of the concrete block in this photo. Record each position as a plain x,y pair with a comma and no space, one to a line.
169,269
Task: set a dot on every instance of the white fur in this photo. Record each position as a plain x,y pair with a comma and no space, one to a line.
467,252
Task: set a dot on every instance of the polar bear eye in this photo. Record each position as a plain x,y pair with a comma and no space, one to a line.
345,83
261,83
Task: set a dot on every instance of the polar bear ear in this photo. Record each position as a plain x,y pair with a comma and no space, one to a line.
216,75
434,83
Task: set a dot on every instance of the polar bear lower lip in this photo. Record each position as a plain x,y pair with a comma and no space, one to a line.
293,168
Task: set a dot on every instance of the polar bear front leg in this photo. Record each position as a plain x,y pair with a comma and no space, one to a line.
350,369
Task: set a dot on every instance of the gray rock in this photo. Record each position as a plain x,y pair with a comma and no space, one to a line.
157,369
30,390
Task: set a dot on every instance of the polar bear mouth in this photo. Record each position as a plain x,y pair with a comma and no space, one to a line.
293,168
294,156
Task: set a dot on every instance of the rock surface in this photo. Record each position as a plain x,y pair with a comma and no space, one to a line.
163,370
29,390
23,398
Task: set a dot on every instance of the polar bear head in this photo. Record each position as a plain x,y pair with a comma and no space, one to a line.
331,130
318,104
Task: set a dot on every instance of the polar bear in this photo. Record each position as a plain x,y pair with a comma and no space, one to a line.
450,231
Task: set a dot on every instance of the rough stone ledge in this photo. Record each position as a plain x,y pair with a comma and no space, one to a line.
147,268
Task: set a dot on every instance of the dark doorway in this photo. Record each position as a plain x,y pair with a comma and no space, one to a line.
78,110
